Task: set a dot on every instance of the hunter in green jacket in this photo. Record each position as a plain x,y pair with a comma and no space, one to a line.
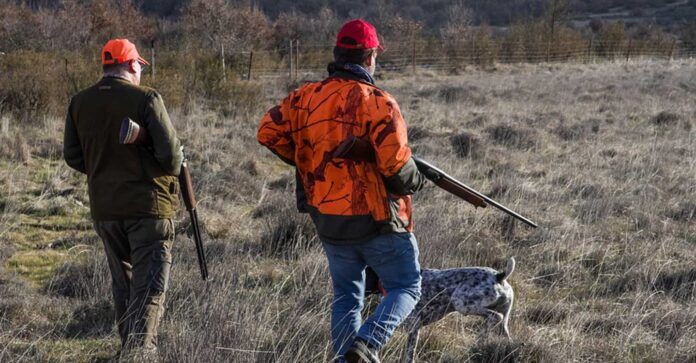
133,190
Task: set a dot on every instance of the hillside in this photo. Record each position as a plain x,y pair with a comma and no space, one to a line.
435,13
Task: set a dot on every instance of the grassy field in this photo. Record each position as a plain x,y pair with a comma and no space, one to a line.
602,156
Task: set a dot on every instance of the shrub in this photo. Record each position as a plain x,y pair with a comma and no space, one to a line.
685,211
467,145
670,325
205,84
665,118
84,280
460,94
416,133
92,320
577,131
286,232
35,85
612,40
547,314
680,285
509,352
605,325
511,136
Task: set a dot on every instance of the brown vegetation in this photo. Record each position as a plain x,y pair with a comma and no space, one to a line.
608,275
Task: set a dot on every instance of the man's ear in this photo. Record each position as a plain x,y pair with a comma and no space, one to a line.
131,66
370,59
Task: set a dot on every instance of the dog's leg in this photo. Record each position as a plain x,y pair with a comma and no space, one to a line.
412,342
468,301
507,308
493,318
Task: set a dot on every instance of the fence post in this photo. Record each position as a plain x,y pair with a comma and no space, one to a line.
67,72
152,58
413,53
672,49
251,60
69,78
297,58
473,48
589,49
290,64
222,56
628,50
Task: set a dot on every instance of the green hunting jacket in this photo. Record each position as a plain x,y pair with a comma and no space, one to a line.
124,181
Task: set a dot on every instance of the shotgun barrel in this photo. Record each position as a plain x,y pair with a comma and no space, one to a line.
186,184
437,176
360,150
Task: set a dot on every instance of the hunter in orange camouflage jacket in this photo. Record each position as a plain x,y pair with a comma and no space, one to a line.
349,201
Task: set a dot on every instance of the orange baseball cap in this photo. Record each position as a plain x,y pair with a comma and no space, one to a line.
120,51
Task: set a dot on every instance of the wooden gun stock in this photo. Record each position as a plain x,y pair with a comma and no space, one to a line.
131,133
186,184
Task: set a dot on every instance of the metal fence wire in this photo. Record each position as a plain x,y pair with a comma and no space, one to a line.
400,57
297,59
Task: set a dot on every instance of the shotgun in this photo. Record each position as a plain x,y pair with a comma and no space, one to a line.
360,150
132,133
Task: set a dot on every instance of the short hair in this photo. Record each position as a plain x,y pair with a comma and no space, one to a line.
116,68
357,56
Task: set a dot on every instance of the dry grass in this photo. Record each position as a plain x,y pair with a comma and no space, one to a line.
603,157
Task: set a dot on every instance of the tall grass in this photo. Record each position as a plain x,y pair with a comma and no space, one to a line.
601,156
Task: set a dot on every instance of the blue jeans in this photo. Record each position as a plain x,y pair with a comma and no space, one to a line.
394,257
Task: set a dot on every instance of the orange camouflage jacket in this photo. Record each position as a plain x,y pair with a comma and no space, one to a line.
349,201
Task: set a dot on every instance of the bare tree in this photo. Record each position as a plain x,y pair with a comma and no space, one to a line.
325,25
557,13
17,27
217,24
688,35
459,18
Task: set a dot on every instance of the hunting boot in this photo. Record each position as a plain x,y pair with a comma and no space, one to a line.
361,352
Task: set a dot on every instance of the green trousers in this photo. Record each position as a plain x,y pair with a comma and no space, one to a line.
139,256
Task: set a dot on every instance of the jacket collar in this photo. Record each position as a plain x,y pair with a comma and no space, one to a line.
115,79
350,71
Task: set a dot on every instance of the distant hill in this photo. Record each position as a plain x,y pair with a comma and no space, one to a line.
434,13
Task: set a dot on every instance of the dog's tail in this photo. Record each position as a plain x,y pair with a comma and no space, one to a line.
502,276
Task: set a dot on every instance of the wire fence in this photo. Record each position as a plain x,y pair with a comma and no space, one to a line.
298,59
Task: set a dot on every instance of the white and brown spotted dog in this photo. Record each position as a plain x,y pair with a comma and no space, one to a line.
479,291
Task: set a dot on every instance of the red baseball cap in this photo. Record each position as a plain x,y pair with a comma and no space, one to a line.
117,51
358,34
